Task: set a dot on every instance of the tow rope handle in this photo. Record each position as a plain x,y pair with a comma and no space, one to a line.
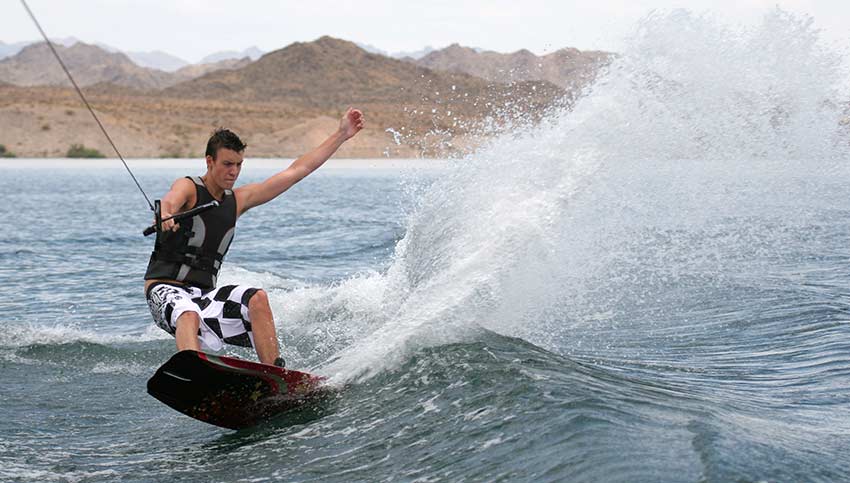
157,213
157,227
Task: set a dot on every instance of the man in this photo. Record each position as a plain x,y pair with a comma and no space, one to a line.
180,282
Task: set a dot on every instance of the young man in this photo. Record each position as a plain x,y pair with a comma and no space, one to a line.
180,282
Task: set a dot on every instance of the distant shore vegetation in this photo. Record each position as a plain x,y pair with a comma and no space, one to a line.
4,153
80,151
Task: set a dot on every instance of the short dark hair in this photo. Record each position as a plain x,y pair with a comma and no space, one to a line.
224,138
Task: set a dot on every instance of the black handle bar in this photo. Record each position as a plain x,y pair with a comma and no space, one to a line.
182,216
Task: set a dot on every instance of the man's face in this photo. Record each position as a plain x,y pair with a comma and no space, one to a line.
225,169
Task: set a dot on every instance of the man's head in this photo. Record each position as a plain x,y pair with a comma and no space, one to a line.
224,157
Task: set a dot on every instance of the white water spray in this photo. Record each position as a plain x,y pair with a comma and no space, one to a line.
545,226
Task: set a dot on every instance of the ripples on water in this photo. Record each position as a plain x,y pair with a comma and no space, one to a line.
652,287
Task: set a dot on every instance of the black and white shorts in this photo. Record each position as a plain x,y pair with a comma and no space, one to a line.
223,312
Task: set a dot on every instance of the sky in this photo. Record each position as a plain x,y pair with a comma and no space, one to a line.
191,29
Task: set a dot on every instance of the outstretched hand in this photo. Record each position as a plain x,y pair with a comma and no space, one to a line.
351,123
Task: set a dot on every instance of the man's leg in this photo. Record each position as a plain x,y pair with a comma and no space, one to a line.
165,301
187,331
262,325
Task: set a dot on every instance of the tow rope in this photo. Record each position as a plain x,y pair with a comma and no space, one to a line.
158,224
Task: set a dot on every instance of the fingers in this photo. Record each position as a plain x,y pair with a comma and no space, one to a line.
357,117
169,225
354,119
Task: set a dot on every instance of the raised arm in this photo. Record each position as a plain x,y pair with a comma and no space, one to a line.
256,194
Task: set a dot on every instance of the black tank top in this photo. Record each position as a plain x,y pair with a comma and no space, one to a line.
193,254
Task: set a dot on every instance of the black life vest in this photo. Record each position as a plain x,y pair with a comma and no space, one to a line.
193,254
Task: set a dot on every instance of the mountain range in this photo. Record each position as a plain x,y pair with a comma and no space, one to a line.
158,59
155,59
252,53
287,99
34,65
567,68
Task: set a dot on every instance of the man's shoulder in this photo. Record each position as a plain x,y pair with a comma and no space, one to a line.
185,183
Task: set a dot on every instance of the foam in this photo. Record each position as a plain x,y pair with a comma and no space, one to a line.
26,472
34,334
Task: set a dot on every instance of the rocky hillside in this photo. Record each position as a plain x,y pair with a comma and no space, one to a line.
322,73
327,74
157,59
252,53
193,71
568,68
35,65
10,49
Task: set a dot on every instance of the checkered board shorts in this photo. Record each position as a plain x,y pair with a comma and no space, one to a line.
223,312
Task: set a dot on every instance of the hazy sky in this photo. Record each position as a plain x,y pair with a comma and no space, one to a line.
192,29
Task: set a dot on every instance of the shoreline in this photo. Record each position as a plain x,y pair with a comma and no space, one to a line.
267,163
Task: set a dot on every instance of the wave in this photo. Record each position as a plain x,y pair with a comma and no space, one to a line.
32,335
90,351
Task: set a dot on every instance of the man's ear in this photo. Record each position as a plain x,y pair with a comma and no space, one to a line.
210,161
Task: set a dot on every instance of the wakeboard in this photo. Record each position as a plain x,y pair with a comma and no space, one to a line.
229,392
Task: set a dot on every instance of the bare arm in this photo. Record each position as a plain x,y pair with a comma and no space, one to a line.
256,194
180,197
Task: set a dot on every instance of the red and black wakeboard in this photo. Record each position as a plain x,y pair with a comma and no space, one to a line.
229,392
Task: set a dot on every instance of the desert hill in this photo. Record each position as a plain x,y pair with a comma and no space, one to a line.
252,53
281,104
10,49
568,68
330,73
322,73
35,65
44,121
193,71
158,59
7,50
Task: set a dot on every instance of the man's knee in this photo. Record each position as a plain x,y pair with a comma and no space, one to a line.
190,320
186,335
